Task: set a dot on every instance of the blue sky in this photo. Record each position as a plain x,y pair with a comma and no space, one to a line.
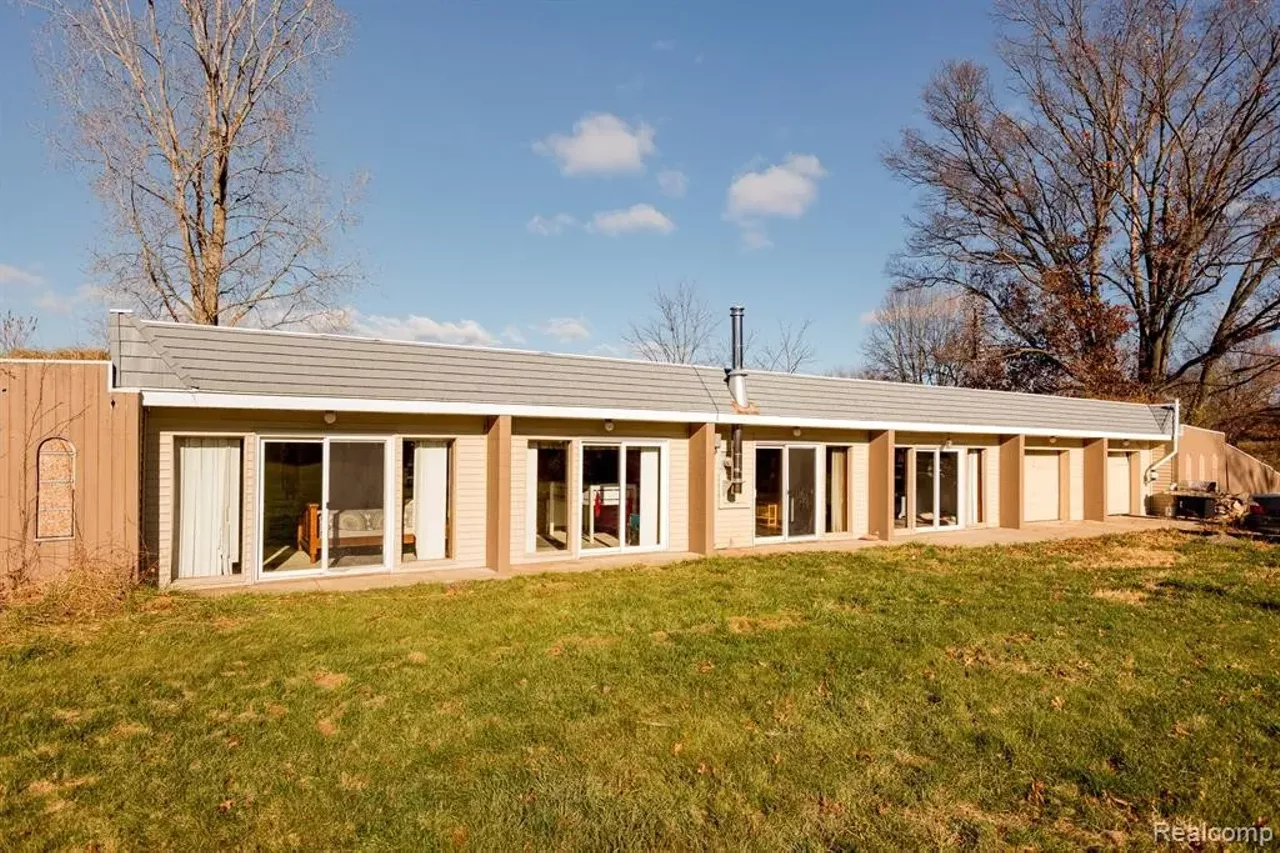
736,145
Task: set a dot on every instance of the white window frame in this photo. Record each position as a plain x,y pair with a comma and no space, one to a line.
819,490
260,575
664,496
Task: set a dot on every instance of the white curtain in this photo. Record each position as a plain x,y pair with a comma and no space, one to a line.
430,499
208,508
649,507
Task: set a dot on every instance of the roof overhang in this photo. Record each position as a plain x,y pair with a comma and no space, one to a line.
299,403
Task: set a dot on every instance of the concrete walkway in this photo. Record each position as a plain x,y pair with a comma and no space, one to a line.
1039,532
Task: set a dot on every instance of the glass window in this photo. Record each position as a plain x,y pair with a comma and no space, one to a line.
837,490
55,489
357,503
292,491
926,471
768,491
901,462
802,491
948,488
601,496
548,496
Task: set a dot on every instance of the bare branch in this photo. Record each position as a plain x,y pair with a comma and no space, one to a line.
681,329
189,115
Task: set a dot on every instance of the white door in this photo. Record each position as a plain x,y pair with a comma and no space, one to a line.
208,507
1117,484
1040,485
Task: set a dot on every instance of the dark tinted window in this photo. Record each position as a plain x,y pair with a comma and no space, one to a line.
1271,503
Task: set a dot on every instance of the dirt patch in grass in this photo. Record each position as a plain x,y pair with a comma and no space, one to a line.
773,622
1138,558
1135,597
329,680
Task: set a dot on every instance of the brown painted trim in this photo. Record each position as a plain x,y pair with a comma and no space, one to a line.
1012,453
1095,479
880,484
498,493
702,488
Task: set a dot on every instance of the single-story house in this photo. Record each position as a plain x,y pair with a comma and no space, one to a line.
231,455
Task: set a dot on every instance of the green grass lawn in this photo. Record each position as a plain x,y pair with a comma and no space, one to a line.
1053,695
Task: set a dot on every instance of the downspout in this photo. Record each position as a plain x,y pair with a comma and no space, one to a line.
1149,475
735,377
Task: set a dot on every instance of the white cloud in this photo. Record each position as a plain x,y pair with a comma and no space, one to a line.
566,329
415,327
601,144
637,217
513,334
869,318
673,182
754,238
782,190
664,45
15,275
550,226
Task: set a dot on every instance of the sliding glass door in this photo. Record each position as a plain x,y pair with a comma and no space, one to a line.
937,483
323,505
358,521
802,491
786,492
291,477
622,497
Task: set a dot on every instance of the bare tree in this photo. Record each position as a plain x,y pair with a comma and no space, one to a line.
918,337
1120,214
681,329
16,330
790,351
189,115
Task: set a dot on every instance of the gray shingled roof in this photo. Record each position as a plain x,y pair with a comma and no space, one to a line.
173,356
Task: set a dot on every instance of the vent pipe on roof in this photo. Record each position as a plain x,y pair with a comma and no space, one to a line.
736,378
735,375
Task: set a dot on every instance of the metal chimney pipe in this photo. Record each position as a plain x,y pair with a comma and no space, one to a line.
736,377
735,323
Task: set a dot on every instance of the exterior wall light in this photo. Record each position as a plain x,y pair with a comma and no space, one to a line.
795,431
608,426
330,417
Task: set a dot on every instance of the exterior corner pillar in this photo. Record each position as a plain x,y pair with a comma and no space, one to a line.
1095,479
497,547
703,497
1012,480
880,484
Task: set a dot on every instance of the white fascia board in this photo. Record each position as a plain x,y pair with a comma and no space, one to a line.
908,426
215,400
218,400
